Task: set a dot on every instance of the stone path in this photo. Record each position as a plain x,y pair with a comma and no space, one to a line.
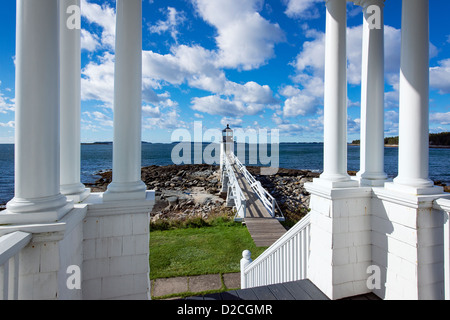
194,284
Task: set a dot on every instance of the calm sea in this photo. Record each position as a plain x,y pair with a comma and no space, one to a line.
96,157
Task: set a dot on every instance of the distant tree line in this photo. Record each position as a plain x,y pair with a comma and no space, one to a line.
436,139
440,139
391,140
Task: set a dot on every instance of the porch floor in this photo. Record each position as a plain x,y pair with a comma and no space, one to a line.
295,290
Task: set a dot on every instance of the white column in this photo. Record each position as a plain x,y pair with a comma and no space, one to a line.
372,95
37,196
127,183
414,100
335,99
70,97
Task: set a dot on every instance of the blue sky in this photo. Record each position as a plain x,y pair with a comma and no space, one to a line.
250,63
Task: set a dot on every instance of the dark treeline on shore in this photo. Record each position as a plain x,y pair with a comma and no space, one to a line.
436,139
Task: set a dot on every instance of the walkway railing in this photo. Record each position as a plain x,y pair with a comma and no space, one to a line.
444,205
286,260
236,192
266,198
10,247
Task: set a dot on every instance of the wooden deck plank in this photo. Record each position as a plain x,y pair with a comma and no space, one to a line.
264,232
297,291
246,294
312,291
230,295
264,293
294,290
280,292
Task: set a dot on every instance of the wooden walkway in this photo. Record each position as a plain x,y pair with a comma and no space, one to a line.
263,228
295,290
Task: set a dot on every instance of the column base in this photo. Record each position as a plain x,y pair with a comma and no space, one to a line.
76,192
41,210
118,191
325,182
368,179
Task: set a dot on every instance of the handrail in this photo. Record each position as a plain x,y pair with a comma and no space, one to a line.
285,260
266,198
10,247
237,193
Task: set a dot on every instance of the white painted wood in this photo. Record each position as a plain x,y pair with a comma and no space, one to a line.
37,170
235,194
266,198
372,99
15,278
10,247
126,182
335,96
11,244
413,150
283,261
245,261
70,104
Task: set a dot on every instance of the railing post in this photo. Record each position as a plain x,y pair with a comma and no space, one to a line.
245,261
273,207
245,208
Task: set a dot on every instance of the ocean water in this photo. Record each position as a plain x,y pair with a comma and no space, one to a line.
97,157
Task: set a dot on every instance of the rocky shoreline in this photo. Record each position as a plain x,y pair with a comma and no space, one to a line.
191,191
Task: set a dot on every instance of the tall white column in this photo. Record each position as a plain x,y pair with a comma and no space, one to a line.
37,195
335,99
372,95
127,183
414,99
70,97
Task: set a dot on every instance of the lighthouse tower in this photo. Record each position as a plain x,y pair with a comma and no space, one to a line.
227,144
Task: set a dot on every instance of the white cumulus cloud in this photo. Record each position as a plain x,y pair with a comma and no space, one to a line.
245,39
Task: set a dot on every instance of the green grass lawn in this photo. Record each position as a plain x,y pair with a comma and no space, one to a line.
194,251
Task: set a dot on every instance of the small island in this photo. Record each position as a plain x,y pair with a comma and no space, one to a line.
437,140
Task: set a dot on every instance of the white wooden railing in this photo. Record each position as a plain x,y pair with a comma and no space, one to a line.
10,247
266,198
444,205
240,202
286,260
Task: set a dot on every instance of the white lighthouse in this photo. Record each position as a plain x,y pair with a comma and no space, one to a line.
227,144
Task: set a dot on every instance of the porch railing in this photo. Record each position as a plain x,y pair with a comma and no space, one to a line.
237,195
10,247
286,260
